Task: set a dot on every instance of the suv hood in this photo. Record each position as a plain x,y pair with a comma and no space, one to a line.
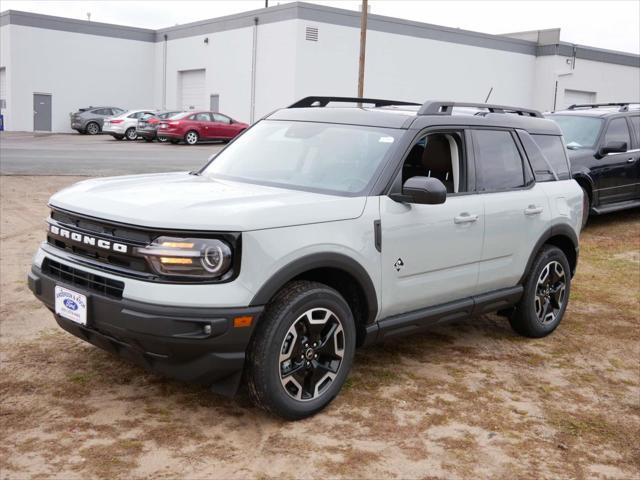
192,202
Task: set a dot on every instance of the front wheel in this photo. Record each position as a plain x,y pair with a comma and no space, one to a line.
302,350
191,138
131,133
163,139
546,294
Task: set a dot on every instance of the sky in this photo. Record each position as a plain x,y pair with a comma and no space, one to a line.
609,24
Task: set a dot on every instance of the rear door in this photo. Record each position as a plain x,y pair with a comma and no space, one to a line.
204,124
615,174
516,209
634,121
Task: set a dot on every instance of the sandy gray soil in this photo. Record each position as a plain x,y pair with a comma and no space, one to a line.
469,400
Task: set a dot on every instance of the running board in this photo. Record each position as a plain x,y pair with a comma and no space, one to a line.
615,207
418,320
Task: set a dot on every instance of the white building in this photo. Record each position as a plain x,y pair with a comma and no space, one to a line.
248,64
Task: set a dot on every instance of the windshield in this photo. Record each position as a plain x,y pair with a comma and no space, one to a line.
578,132
336,158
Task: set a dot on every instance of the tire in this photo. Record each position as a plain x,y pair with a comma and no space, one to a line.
163,139
191,137
92,128
586,206
302,312
131,133
546,294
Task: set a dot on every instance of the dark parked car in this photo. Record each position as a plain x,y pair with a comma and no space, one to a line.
90,119
195,126
148,125
604,148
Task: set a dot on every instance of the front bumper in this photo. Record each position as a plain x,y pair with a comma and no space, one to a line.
163,339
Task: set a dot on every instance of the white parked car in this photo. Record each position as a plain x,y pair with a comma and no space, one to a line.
316,231
124,125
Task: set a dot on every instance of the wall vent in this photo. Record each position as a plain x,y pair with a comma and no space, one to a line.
311,34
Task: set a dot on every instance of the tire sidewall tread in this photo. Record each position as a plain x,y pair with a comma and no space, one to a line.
524,321
262,378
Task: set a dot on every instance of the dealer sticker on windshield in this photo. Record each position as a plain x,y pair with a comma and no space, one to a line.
386,140
71,305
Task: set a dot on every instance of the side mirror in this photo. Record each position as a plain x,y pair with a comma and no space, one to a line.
422,190
612,147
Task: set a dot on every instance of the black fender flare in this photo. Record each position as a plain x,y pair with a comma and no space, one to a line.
583,175
561,229
312,262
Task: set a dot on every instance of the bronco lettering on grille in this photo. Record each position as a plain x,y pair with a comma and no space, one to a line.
88,240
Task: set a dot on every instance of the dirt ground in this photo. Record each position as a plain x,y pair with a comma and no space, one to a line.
468,400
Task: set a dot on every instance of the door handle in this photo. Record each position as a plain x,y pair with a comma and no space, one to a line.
465,217
631,160
533,210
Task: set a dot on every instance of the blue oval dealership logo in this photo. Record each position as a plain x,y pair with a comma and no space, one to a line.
70,304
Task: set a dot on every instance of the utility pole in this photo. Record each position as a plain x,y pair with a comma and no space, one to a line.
363,46
266,3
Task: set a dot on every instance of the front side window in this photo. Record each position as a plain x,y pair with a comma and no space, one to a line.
635,123
498,161
578,132
617,131
553,149
220,118
438,155
331,158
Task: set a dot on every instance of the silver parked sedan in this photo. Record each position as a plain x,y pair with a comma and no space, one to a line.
124,125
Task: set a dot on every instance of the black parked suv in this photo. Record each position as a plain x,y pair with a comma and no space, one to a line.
604,148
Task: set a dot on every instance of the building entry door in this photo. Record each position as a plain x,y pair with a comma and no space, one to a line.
214,103
41,112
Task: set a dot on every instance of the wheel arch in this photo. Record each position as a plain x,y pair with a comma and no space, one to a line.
562,236
586,182
339,272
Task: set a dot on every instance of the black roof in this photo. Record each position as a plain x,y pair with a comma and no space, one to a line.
414,116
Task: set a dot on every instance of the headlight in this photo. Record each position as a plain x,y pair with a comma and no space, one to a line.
188,257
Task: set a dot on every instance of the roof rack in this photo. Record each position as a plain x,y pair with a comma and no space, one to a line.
446,108
624,106
323,101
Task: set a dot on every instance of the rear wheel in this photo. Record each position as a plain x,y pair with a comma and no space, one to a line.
302,350
191,137
131,133
546,294
93,128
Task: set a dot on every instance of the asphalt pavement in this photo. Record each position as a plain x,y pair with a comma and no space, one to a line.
24,153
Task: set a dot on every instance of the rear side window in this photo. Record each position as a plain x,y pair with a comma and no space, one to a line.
617,131
116,111
100,111
498,161
553,149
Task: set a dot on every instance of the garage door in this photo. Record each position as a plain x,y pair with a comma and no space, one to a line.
192,92
3,88
576,97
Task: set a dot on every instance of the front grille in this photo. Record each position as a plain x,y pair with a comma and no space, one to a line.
89,281
132,237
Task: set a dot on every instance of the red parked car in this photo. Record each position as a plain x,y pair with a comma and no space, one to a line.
195,126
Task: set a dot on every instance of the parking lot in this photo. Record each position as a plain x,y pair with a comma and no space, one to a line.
99,155
467,400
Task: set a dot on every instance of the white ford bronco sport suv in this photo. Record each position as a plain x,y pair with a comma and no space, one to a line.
318,230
